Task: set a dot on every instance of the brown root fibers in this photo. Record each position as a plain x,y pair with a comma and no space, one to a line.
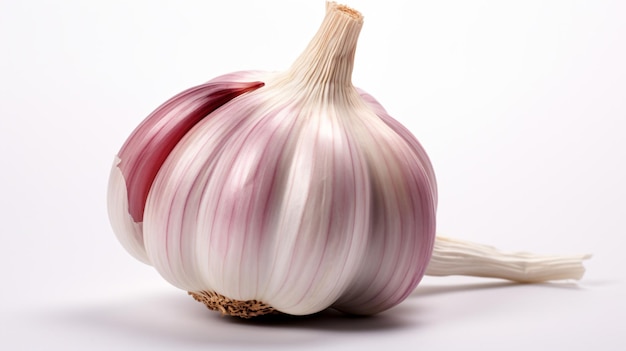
243,309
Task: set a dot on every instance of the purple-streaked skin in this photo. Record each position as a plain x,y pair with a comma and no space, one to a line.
402,219
269,192
401,230
261,201
295,189
151,142
405,134
303,194
143,153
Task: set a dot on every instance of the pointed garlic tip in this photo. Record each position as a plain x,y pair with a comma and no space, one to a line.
458,257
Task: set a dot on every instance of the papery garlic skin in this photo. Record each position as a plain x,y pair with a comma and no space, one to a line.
299,210
128,232
262,211
291,191
296,194
140,158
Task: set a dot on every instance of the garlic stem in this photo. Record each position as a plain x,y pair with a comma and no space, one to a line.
329,57
459,257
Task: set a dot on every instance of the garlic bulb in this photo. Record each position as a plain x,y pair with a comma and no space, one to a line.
290,192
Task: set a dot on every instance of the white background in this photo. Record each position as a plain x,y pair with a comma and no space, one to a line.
521,106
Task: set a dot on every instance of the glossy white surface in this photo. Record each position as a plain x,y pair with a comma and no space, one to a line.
521,106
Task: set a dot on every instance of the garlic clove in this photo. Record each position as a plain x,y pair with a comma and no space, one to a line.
403,218
272,205
407,136
143,153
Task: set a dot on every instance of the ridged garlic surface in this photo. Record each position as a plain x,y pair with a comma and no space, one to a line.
284,191
300,192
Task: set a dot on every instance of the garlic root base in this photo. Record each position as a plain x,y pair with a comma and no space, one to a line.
458,257
237,308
